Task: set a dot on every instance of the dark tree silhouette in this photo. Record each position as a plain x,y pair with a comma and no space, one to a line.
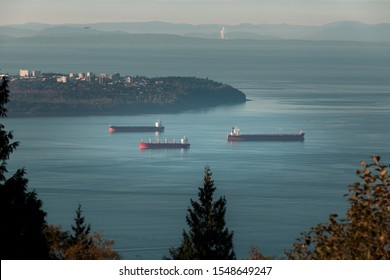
22,219
208,237
80,229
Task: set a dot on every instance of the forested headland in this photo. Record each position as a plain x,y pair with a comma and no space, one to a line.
58,95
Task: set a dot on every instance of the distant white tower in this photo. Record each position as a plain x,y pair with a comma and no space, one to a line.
223,33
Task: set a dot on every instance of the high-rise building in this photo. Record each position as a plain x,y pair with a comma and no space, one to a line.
36,73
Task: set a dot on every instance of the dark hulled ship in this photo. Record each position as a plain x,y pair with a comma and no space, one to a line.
234,135
158,127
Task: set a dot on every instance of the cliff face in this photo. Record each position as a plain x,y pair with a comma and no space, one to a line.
44,96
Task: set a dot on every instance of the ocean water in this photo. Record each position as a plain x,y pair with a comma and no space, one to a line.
339,94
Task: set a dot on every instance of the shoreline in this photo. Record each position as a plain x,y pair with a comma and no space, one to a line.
48,95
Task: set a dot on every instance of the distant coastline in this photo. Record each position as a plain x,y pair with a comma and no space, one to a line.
56,94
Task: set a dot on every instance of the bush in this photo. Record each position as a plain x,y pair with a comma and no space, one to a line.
364,234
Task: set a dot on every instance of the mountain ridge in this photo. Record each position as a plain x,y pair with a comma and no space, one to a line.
341,31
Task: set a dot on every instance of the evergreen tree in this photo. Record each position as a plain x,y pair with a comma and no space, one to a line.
208,237
22,219
6,147
80,244
80,230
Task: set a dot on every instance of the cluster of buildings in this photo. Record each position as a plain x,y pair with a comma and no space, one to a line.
24,73
102,78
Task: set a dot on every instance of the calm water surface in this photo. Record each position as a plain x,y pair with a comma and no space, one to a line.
274,190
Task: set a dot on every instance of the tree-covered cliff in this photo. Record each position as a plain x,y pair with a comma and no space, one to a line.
45,95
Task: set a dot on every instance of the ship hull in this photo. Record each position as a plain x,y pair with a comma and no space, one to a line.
266,137
114,129
144,145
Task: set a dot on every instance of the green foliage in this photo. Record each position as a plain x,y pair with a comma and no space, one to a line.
22,219
365,231
208,237
79,244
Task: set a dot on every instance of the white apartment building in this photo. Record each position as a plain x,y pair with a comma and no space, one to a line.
24,73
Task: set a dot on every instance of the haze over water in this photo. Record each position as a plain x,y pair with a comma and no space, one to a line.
337,93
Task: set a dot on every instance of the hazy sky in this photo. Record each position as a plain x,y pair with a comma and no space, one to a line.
315,12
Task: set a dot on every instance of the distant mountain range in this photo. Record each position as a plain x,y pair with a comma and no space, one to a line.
338,31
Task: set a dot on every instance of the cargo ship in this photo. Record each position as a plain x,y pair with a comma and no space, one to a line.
183,144
158,127
234,135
